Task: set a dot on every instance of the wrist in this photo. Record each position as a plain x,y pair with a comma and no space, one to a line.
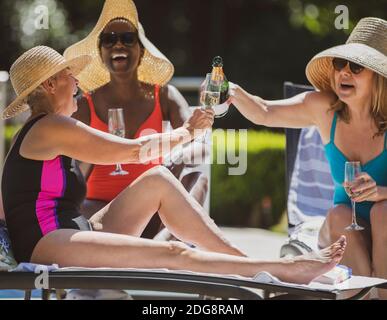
191,132
186,134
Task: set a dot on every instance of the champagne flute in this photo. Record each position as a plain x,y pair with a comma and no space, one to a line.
352,169
117,127
210,93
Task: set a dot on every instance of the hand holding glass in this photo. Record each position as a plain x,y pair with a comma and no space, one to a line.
352,169
117,127
209,93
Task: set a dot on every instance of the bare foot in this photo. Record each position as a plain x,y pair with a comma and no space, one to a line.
303,269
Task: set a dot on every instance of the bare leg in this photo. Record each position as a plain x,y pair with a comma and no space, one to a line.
195,183
197,186
357,254
379,242
158,190
98,249
89,207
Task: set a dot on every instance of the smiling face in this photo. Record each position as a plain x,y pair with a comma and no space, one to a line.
353,88
121,57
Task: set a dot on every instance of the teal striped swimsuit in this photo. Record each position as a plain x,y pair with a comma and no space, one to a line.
376,168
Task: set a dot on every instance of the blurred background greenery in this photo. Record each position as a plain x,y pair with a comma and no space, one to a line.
263,43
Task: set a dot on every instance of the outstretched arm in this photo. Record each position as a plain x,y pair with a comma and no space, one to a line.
300,111
57,135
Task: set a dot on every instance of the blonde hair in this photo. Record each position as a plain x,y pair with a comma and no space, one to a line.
378,103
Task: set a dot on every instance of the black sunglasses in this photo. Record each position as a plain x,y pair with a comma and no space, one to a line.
108,40
339,64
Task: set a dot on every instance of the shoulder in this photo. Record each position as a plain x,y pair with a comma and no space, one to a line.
45,137
175,107
320,103
169,92
320,99
173,103
53,122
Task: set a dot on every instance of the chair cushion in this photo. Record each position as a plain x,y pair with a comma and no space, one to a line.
311,186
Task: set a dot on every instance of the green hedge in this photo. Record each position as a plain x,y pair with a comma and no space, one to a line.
9,133
257,198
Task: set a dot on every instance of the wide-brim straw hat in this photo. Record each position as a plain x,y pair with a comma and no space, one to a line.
154,67
366,46
34,67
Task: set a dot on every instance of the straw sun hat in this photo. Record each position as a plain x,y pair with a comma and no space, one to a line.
34,67
154,67
366,46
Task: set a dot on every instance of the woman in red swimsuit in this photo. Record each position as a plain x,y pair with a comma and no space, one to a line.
128,72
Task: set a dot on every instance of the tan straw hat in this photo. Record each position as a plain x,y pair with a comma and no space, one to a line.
34,67
154,67
366,46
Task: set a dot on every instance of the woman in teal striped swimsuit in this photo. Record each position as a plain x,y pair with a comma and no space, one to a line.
350,111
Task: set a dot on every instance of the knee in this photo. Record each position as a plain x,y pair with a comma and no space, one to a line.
158,174
337,218
202,185
203,181
159,171
194,180
378,217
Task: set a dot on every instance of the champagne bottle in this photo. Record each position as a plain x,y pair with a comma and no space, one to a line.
218,74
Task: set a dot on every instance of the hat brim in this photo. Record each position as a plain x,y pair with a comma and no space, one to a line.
319,69
154,67
19,105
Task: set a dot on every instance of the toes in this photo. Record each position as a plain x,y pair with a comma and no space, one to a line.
338,256
342,241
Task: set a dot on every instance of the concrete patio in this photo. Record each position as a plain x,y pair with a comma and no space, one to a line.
257,243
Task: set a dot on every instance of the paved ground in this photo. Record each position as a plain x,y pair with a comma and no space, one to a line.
257,243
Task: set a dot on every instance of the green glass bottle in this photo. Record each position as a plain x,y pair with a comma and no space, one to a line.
218,74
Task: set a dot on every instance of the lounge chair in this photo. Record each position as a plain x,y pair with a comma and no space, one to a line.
309,185
166,284
197,285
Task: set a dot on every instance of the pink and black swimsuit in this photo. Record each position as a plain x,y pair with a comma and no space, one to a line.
40,197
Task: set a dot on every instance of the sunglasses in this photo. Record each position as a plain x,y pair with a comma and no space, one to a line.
108,40
339,64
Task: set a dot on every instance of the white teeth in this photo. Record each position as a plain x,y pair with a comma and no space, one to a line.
119,55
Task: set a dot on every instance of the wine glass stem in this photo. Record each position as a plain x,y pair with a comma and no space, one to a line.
353,212
118,167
